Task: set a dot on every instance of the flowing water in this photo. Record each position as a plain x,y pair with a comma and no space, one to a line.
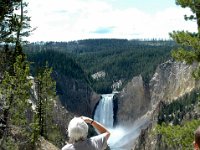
104,110
122,138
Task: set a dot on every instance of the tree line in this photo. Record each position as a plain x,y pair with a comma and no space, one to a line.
175,112
22,119
120,59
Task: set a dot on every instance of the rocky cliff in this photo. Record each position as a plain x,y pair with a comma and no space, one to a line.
75,95
134,101
170,81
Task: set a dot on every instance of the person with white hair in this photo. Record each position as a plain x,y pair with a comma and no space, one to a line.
78,131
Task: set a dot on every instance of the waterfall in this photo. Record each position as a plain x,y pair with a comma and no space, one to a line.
104,110
122,138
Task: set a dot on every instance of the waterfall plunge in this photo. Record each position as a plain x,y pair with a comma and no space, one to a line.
121,138
104,111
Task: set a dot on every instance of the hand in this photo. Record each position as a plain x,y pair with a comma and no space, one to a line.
86,119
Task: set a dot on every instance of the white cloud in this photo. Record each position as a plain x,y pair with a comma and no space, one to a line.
64,20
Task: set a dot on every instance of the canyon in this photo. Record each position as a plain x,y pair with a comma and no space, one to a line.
138,103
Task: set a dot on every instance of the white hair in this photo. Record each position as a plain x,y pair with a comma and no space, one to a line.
77,129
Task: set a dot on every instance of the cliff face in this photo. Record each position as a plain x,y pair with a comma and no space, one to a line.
133,101
75,95
170,81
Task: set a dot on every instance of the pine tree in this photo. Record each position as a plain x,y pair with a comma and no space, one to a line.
45,100
189,50
14,25
6,11
15,85
14,95
181,137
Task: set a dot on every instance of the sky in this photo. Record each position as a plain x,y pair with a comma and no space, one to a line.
68,20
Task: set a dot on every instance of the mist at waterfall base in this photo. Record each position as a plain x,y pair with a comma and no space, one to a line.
122,138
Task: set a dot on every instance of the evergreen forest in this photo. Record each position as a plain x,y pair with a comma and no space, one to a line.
120,59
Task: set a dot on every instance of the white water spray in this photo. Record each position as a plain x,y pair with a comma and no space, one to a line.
121,138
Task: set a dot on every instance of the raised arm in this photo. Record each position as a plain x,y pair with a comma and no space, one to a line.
97,125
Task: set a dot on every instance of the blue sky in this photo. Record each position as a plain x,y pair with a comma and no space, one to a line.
149,6
66,20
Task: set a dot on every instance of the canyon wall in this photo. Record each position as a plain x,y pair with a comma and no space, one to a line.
171,80
75,95
133,101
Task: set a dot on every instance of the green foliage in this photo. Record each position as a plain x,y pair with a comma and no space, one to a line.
44,104
13,25
194,6
177,110
59,61
15,85
178,137
6,60
56,136
8,144
15,92
121,59
182,136
189,50
15,96
35,134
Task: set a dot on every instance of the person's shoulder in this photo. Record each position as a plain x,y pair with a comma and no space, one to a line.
68,147
100,141
100,136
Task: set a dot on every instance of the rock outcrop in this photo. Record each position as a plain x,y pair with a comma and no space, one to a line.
170,81
134,101
43,144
